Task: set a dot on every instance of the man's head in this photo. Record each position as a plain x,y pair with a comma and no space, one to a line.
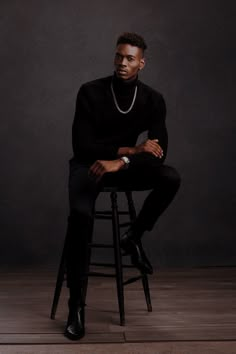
129,56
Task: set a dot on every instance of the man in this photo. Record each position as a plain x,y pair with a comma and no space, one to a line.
110,114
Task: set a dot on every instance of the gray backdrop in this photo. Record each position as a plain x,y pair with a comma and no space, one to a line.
48,49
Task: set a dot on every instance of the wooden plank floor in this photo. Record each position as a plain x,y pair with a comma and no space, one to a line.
188,305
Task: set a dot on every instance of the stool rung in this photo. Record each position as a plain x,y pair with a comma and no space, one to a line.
101,245
103,217
112,265
132,280
107,212
125,224
98,274
102,264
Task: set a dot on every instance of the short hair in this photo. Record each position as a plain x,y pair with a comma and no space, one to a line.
132,39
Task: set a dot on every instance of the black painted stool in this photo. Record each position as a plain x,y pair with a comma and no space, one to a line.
113,215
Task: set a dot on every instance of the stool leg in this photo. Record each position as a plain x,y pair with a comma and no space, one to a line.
147,292
60,279
118,259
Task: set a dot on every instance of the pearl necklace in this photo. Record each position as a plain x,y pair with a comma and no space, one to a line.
116,103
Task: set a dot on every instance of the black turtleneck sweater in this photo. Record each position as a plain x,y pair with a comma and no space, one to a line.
99,129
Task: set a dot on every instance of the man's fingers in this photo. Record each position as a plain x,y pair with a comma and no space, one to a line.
99,173
153,151
100,170
154,148
157,151
153,140
95,169
152,143
99,177
151,146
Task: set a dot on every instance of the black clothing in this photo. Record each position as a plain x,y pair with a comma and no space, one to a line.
75,324
98,131
164,182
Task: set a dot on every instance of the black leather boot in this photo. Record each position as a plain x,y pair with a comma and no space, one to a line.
75,324
133,246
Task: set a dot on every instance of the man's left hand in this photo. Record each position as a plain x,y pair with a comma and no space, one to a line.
100,167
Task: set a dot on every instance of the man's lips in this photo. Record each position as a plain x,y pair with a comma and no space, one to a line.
121,71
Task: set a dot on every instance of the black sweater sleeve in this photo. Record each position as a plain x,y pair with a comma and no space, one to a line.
156,130
84,142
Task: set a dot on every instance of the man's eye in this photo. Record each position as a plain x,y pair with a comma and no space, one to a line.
130,59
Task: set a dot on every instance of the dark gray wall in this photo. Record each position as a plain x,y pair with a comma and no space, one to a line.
48,49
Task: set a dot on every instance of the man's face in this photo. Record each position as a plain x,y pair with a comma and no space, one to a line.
128,61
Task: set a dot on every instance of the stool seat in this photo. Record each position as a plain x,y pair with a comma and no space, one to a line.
118,266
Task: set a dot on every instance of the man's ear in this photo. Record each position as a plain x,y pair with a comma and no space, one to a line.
141,64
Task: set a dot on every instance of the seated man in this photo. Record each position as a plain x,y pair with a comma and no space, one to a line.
110,114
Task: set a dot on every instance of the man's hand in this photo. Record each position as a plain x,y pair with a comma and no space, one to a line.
150,146
100,167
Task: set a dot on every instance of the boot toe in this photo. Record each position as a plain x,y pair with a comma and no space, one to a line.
75,325
74,333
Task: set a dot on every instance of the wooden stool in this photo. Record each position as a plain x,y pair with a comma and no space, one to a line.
113,215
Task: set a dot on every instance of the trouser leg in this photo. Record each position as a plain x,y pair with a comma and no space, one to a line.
166,182
82,196
79,234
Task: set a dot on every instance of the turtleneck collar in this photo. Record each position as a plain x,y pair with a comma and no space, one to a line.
124,86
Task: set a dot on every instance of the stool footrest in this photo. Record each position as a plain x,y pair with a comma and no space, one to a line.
101,274
98,274
125,224
107,212
132,280
111,265
101,245
103,217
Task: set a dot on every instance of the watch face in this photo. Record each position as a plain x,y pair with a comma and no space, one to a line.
126,160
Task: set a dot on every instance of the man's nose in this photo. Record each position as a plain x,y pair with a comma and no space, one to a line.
123,62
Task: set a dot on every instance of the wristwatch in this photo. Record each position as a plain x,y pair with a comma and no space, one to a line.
126,160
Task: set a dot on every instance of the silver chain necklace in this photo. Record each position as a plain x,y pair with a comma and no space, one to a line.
116,103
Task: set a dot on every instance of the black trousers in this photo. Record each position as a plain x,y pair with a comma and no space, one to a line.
163,180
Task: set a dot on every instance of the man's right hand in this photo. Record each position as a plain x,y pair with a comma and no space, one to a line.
150,146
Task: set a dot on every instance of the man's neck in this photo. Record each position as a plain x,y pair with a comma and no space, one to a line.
124,83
